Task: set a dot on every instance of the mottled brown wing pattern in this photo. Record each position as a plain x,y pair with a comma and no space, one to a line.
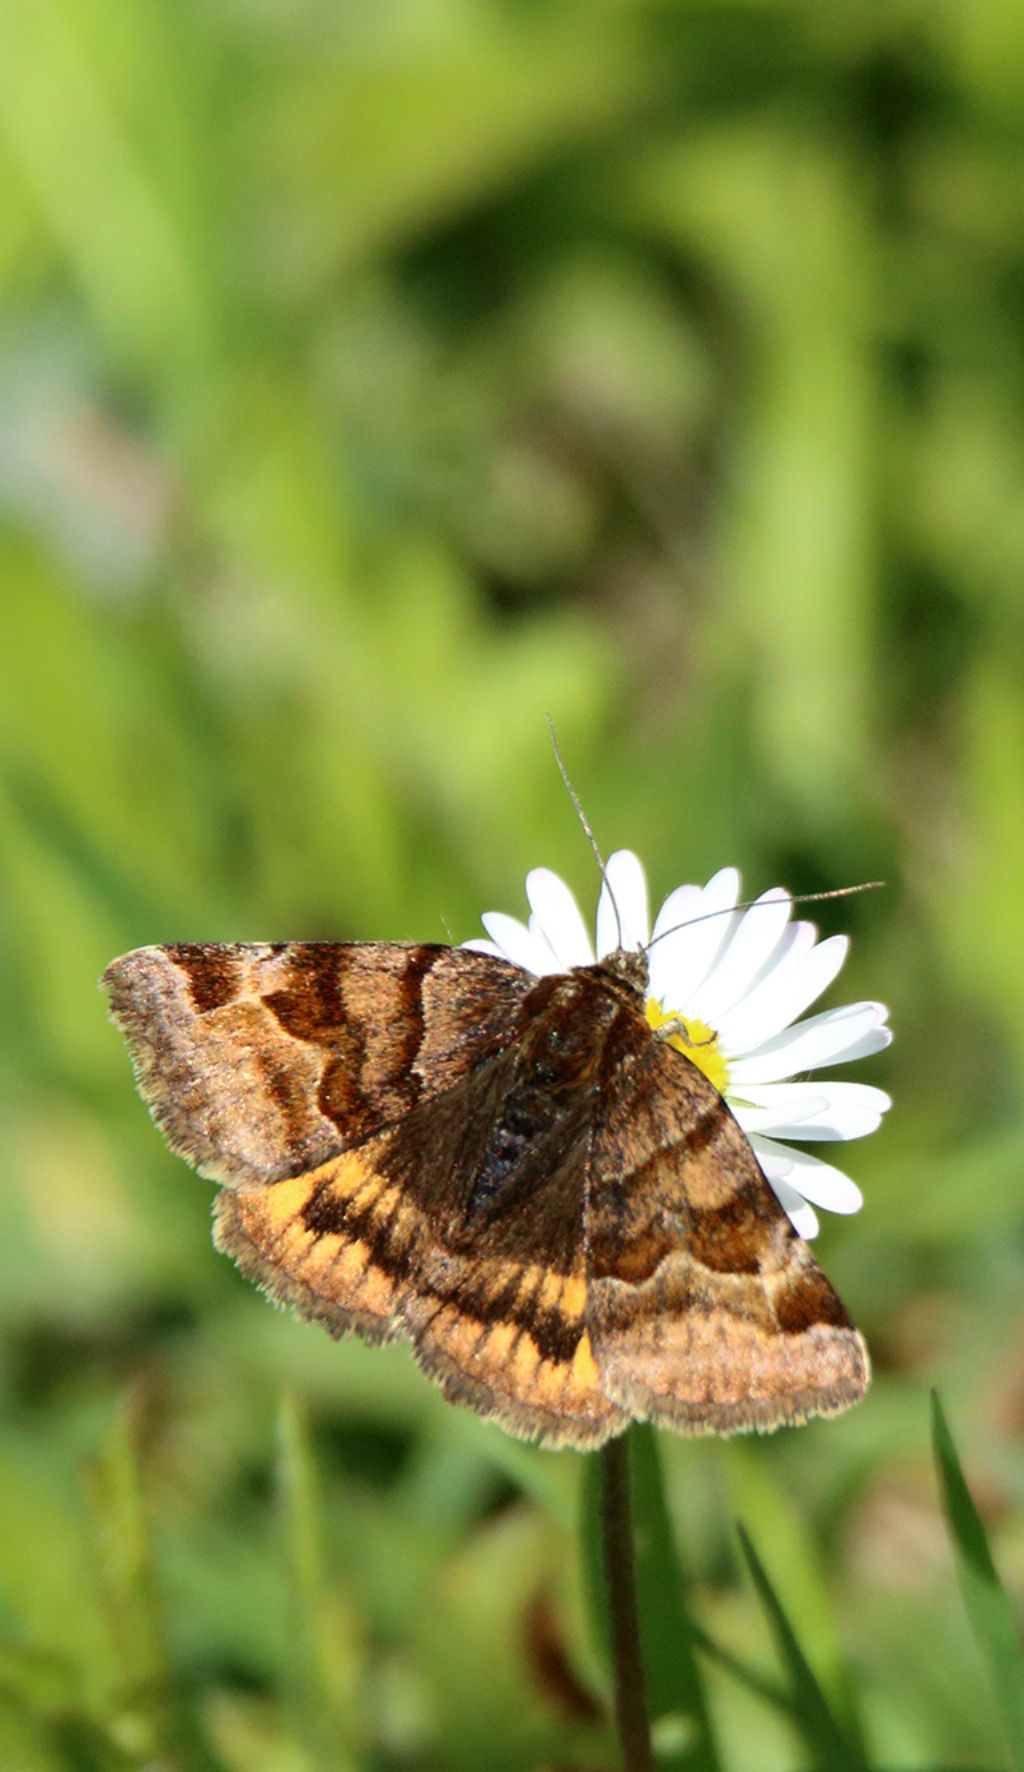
707,1312
261,1061
553,1206
381,1240
396,1161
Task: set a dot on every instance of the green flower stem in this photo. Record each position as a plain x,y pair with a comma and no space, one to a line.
620,1575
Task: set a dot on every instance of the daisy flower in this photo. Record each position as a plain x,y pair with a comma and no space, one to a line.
738,979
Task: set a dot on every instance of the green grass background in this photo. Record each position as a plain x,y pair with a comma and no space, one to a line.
376,377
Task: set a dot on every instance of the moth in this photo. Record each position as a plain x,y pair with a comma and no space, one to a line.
516,1175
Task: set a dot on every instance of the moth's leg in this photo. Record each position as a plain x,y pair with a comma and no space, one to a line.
677,1027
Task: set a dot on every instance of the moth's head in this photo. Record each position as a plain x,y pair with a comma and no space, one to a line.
629,968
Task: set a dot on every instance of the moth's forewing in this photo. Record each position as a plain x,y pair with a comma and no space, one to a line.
707,1311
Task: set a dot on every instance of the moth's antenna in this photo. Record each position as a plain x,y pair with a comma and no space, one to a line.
584,821
573,795
753,904
837,892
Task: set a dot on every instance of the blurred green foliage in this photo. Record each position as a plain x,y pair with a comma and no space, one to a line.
375,379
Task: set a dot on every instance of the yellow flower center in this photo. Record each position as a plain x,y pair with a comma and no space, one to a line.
693,1039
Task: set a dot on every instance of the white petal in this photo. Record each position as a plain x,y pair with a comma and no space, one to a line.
830,1038
543,946
875,1040
814,1110
803,1218
559,919
679,907
682,960
819,1130
760,931
857,1094
517,944
776,1003
797,940
623,891
819,1182
485,947
754,1116
776,1162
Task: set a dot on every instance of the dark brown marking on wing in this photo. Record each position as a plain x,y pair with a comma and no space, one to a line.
557,1336
809,1300
471,1289
339,1095
410,1018
643,1204
212,973
357,1216
733,1238
687,1138
634,1259
286,1091
359,1072
366,1014
327,1213
309,1005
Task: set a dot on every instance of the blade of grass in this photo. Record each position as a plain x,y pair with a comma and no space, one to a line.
324,1654
813,1716
771,1691
985,1598
763,1503
675,1679
127,1580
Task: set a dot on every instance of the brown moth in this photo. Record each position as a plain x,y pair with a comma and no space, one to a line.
515,1174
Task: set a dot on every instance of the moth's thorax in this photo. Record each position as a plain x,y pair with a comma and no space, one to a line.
568,1017
626,968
